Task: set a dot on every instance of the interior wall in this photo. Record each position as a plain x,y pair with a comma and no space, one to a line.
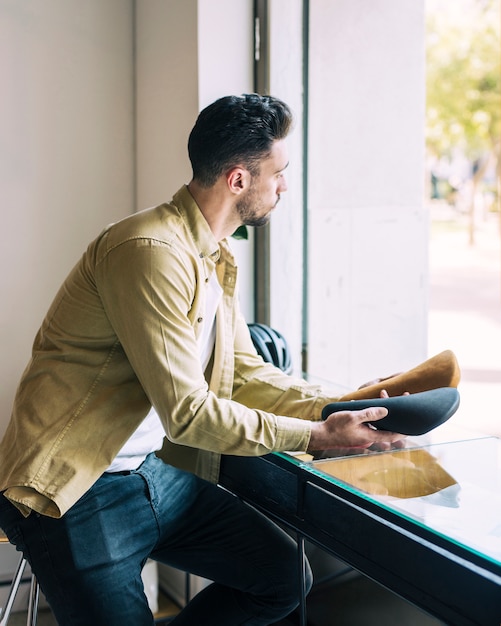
368,228
188,54
166,71
66,159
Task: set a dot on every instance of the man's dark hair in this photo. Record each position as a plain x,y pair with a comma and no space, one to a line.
236,130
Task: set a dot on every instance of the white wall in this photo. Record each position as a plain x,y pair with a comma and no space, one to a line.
66,160
368,230
188,54
166,96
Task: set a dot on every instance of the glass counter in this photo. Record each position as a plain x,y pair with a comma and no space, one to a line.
451,488
423,520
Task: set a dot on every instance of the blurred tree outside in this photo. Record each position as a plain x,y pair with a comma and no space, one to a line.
463,108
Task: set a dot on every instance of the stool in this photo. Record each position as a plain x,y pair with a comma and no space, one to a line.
14,588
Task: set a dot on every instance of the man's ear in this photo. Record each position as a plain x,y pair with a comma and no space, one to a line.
238,179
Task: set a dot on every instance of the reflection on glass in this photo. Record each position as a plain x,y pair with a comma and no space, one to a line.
452,489
401,474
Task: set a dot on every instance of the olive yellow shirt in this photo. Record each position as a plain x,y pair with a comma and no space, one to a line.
120,337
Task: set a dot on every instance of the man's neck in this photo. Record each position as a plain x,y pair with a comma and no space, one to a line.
216,205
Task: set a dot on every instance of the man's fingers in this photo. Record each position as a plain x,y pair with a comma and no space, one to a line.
370,419
373,414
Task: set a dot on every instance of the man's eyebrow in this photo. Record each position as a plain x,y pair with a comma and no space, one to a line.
283,168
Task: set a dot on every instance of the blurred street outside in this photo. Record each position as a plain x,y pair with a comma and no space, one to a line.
465,311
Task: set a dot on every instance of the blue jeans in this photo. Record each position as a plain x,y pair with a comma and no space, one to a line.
88,563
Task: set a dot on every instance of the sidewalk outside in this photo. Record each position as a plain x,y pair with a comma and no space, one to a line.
465,312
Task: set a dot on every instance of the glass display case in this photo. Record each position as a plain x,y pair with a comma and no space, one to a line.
423,519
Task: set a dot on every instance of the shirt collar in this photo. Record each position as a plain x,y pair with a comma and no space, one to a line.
189,210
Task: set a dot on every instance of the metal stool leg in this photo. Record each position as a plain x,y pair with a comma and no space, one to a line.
13,591
302,580
33,602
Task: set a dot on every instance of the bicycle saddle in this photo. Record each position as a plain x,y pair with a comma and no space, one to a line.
414,414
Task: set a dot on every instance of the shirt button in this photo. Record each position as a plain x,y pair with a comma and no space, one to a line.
200,320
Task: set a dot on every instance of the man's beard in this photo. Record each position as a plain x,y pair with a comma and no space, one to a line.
248,209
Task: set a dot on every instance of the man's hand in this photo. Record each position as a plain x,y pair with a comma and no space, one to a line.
353,429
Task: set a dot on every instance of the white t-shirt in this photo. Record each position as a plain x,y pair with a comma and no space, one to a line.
148,437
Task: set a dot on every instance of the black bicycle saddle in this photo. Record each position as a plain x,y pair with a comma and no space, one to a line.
414,414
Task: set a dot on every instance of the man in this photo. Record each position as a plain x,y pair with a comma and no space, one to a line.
149,318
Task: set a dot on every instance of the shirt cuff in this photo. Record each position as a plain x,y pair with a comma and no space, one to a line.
292,434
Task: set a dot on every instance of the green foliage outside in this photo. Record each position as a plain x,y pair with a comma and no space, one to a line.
463,69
